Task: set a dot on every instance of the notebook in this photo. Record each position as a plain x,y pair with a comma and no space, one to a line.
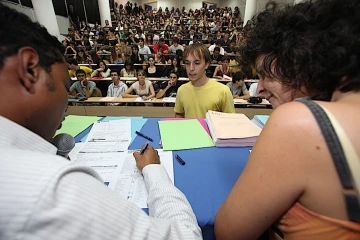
231,130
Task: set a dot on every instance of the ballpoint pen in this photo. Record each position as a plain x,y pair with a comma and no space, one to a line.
143,149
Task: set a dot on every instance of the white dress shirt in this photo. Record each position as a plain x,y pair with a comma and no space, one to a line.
44,196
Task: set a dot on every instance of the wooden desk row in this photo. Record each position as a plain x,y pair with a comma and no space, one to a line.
240,102
147,111
162,79
143,64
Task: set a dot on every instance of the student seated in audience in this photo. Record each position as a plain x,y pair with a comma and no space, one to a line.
101,70
216,58
82,87
74,66
170,87
152,70
253,90
116,56
46,196
237,86
159,58
144,50
300,179
136,57
125,50
161,46
128,71
117,88
201,94
176,46
142,88
223,69
175,67
217,44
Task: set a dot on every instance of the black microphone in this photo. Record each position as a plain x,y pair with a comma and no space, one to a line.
64,143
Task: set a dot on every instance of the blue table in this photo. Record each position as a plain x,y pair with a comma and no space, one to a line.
207,177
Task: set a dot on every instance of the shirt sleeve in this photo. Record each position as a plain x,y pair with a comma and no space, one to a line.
109,91
228,102
179,108
92,85
87,209
73,87
244,88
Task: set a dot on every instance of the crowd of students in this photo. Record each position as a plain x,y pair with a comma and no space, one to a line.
156,39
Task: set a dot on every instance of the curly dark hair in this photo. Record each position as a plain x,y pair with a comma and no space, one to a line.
313,45
16,35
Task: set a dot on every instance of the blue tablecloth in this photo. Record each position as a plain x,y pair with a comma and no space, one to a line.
207,177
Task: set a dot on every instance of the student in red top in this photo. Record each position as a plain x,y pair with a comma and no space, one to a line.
161,45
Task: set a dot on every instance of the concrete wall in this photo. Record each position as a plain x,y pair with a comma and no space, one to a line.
63,22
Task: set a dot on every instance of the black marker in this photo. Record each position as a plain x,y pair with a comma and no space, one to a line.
178,158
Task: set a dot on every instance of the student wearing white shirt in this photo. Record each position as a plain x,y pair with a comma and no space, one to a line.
217,44
117,88
143,49
44,196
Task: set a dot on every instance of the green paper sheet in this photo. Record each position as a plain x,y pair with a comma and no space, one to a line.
185,134
74,125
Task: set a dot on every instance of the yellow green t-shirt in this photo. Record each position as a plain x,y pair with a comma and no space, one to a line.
88,71
196,101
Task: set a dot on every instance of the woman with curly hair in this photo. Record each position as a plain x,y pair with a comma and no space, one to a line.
303,175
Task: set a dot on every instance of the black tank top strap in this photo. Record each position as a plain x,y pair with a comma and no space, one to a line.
338,156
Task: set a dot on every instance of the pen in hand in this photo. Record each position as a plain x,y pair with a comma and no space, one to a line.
143,149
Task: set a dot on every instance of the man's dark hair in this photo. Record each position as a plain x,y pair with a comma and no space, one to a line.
79,71
238,76
115,70
216,49
72,61
22,32
313,45
176,40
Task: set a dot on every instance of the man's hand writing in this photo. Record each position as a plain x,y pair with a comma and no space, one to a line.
150,156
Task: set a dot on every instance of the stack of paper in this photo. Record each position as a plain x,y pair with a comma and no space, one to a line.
260,120
184,134
231,130
105,146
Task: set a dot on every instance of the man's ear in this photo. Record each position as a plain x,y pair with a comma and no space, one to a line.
207,65
28,69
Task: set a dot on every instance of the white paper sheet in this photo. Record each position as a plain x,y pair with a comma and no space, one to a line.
74,152
105,164
101,147
111,131
139,99
169,99
129,182
106,99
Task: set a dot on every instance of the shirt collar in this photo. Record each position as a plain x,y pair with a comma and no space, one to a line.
16,136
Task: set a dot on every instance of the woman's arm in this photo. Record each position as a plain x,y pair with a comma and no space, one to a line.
106,74
282,164
216,71
152,91
127,93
